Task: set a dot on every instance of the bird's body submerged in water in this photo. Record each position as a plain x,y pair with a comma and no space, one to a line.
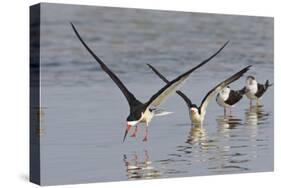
197,114
255,90
227,98
143,112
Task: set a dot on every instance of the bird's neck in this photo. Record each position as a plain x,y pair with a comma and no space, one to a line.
196,117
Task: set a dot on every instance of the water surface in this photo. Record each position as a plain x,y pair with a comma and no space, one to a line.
83,113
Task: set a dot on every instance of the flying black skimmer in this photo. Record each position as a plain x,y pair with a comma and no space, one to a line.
143,112
196,113
227,97
255,90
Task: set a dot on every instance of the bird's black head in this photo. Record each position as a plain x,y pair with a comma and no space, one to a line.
133,117
132,120
250,77
194,109
250,80
194,106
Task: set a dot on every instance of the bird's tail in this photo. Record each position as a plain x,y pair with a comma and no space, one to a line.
243,91
161,112
267,84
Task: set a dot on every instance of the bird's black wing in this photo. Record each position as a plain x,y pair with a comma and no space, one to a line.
183,96
129,96
262,88
234,97
219,87
172,86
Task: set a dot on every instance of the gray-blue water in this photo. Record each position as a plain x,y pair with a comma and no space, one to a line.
83,113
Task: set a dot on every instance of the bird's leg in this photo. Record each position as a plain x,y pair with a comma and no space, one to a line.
250,102
230,111
224,111
146,133
146,155
135,132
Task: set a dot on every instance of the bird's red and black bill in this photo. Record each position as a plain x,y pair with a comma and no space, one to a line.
126,131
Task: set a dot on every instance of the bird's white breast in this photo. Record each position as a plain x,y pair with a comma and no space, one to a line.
147,116
251,90
195,118
221,98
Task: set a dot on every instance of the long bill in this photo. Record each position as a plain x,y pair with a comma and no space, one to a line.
126,131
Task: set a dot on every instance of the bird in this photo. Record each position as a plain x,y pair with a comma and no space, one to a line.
197,114
227,97
255,90
143,112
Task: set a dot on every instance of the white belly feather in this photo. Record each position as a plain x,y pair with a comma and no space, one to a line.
251,91
146,117
220,100
196,118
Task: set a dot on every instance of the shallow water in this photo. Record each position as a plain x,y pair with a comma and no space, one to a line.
83,113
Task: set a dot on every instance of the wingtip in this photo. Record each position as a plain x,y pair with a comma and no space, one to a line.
268,84
226,43
248,67
244,70
150,66
73,26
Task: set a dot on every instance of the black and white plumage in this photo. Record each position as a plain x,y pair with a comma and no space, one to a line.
255,90
197,114
227,97
143,112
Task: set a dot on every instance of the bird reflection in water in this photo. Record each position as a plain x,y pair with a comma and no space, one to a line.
255,115
195,150
137,168
197,134
225,134
228,122
225,125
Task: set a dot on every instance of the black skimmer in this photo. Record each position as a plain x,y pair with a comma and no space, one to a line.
143,112
227,97
255,90
196,113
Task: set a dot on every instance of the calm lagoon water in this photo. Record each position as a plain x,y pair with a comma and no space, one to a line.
83,115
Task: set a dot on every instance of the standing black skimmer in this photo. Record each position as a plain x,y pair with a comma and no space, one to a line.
227,97
144,112
196,113
255,90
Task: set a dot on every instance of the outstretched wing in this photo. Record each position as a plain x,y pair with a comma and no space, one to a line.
184,97
172,86
235,96
219,87
129,96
